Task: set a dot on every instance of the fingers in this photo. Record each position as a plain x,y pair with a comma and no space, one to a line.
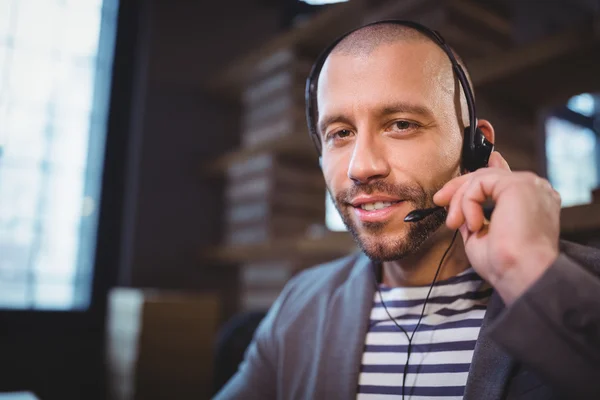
465,206
444,195
464,233
497,161
473,197
455,217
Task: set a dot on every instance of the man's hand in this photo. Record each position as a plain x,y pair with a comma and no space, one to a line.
521,240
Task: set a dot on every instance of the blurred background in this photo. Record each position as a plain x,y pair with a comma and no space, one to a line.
158,187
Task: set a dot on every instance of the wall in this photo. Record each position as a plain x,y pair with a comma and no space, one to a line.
171,213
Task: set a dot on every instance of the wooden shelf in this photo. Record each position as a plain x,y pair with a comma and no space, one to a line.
310,36
535,54
299,145
544,71
476,13
330,245
580,219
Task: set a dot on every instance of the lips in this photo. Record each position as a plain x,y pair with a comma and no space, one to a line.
373,199
377,205
375,208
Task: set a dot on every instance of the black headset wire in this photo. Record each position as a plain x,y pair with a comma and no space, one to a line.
412,335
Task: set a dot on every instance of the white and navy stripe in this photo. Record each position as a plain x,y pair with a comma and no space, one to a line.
442,348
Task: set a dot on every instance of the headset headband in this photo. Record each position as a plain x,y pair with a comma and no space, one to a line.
310,93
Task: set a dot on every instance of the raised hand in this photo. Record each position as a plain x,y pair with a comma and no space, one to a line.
521,241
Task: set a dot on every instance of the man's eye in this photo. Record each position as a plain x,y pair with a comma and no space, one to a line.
341,134
404,125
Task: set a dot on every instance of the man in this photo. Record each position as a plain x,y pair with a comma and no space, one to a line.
508,312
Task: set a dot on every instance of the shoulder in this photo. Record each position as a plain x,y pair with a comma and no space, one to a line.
587,257
308,292
326,276
322,279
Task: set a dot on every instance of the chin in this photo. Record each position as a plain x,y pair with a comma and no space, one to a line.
381,243
385,247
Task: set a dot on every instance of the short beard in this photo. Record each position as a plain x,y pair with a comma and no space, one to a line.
397,248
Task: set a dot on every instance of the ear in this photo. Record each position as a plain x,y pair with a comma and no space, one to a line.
321,162
487,129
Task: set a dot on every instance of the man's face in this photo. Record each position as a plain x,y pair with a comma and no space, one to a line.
391,138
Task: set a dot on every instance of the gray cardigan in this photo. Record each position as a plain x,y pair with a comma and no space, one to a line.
545,346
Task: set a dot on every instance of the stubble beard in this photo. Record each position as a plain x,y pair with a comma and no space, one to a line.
381,248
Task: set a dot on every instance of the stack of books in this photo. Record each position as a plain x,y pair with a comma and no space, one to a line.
272,197
273,99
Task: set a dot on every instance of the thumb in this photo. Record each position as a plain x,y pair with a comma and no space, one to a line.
464,233
497,161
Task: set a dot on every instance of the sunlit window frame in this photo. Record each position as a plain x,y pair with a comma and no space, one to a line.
95,165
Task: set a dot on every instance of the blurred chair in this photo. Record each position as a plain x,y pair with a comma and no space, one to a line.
160,344
231,344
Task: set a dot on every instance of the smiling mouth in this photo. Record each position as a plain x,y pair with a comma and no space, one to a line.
378,205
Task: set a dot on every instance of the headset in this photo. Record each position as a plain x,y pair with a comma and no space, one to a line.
476,149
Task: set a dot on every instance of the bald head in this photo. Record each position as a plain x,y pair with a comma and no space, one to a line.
364,41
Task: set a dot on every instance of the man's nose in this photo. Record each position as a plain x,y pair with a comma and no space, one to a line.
369,160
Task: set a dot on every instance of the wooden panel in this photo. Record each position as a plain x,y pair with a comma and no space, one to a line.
476,12
533,56
330,246
578,219
314,34
299,145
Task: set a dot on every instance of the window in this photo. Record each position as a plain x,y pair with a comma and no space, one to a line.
333,220
55,69
572,149
584,104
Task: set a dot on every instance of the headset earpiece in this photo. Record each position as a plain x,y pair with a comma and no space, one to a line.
476,153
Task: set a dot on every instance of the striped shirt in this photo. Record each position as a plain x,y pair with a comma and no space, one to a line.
442,347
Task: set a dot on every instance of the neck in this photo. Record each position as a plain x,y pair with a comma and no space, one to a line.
419,268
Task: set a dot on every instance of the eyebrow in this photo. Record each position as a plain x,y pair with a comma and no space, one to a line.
385,110
406,108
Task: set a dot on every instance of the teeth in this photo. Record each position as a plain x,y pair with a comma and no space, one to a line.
375,206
